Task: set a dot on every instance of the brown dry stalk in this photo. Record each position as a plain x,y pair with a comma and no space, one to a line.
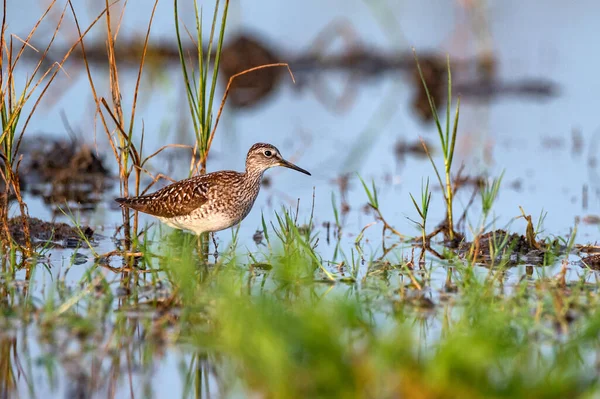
12,63
387,226
29,36
155,179
115,88
8,95
123,136
134,105
474,250
414,280
117,115
23,208
6,237
126,148
89,73
529,231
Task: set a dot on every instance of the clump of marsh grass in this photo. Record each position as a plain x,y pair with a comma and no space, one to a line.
374,204
118,123
488,193
423,210
447,137
200,85
296,245
200,88
18,104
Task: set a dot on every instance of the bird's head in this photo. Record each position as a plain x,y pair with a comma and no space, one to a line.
263,156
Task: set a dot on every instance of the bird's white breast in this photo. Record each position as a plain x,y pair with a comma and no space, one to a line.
209,223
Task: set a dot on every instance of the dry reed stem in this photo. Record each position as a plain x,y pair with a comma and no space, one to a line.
362,232
24,42
12,63
31,32
59,66
5,207
11,177
123,136
156,179
138,161
134,105
23,208
386,225
119,119
115,92
414,280
120,20
89,73
164,147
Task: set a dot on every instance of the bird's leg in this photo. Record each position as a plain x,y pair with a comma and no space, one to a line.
199,245
202,248
216,253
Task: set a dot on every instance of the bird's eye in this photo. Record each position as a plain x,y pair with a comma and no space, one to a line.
268,153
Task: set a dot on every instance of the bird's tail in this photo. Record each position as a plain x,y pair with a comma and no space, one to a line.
135,203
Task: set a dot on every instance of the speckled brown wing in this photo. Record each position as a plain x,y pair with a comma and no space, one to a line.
177,199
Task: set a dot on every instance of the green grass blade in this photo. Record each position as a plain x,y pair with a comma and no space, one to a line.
454,133
217,56
202,71
448,100
416,207
370,195
186,77
431,103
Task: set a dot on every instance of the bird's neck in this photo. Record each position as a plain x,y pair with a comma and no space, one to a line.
253,175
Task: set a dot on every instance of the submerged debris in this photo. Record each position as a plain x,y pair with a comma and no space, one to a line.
591,219
63,171
494,245
404,149
43,233
258,237
592,261
62,160
491,240
357,60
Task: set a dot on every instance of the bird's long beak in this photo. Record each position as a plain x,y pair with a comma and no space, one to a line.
290,165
